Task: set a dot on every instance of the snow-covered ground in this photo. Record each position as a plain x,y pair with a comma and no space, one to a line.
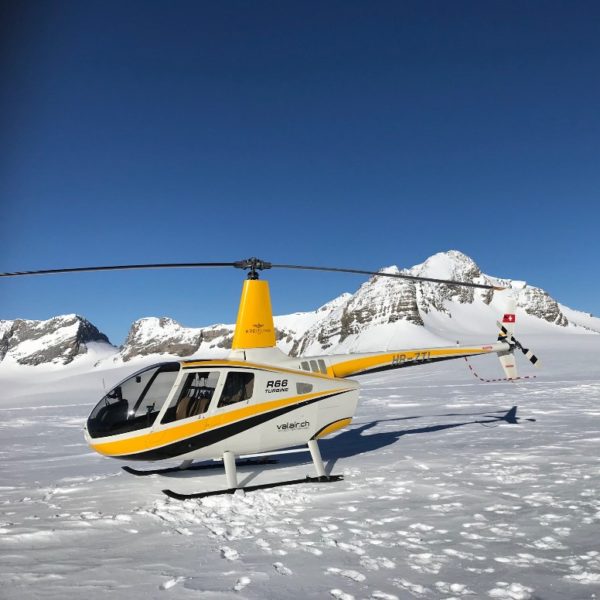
435,503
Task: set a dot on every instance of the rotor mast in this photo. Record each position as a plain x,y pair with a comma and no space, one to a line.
254,327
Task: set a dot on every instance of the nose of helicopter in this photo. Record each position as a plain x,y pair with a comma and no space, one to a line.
133,404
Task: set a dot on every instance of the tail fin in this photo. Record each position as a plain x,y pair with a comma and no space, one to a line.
509,321
507,329
511,416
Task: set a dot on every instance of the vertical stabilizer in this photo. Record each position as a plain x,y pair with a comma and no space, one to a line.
254,327
509,320
507,329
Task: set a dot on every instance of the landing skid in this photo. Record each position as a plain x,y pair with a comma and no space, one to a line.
201,467
232,481
251,488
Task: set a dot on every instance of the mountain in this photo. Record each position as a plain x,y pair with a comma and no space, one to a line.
57,340
395,309
383,313
164,335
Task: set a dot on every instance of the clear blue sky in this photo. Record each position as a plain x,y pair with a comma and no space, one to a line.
357,134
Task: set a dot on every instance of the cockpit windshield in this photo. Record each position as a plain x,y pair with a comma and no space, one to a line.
134,403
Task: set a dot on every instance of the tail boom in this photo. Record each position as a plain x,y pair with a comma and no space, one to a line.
374,362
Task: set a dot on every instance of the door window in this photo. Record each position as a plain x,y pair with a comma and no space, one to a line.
194,398
238,386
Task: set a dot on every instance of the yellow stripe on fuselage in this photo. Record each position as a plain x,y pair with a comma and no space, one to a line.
335,426
239,363
155,439
358,365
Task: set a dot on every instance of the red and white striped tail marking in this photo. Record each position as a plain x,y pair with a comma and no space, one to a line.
511,379
509,318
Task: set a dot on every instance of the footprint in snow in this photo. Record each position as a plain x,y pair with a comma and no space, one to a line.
229,553
282,569
382,596
350,548
339,595
511,591
413,588
264,545
242,582
374,564
456,589
167,585
348,573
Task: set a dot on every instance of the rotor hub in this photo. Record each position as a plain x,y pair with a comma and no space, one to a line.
254,265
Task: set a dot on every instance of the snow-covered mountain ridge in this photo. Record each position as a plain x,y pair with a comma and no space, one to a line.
57,340
383,313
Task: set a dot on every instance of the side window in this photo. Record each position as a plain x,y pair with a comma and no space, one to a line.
304,388
135,403
194,398
238,386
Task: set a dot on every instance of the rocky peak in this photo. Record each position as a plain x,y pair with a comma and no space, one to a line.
378,301
383,300
335,303
538,303
160,335
448,265
57,340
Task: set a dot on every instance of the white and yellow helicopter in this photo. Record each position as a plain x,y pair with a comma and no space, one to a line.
258,401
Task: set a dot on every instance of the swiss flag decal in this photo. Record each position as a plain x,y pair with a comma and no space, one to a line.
508,318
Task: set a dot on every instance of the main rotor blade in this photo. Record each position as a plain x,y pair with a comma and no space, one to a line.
394,275
119,268
253,264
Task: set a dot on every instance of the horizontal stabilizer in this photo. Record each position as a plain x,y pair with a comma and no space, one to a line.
511,416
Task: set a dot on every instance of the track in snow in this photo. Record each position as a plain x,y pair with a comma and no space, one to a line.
434,504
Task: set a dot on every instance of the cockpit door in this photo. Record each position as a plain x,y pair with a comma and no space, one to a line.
197,391
238,389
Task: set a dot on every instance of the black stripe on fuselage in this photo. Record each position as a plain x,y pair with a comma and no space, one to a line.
219,434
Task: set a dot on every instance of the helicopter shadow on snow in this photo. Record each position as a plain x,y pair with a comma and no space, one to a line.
357,440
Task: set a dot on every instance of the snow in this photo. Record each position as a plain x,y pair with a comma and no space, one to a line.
433,505
149,329
384,337
440,265
581,318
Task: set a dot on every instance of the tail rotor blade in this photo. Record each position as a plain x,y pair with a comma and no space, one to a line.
529,355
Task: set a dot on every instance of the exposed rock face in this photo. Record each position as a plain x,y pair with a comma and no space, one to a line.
383,300
162,335
57,340
452,265
538,303
379,301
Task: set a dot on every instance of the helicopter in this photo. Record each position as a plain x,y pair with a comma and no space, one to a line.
258,401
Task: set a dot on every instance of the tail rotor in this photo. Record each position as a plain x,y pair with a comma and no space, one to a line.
508,344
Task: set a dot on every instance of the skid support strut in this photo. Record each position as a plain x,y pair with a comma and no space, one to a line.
315,453
232,482
230,469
